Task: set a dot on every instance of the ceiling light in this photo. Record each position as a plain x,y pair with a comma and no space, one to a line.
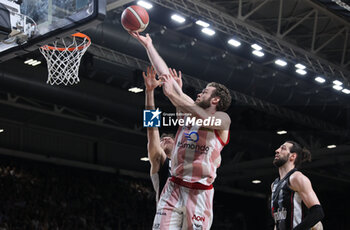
32,62
300,66
36,63
27,61
135,90
178,18
145,4
202,23
208,31
1,130
144,159
331,146
346,91
234,42
280,62
300,71
256,47
320,79
336,82
256,181
258,53
281,132
337,87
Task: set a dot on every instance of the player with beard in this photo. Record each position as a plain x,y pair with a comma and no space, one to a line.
292,191
159,148
187,199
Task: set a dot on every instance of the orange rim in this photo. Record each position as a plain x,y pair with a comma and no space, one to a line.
80,35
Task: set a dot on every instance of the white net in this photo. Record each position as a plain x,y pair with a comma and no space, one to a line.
63,58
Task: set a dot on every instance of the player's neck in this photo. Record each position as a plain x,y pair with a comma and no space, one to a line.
211,109
284,169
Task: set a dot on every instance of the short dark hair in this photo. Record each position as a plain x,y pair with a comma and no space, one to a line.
167,135
223,93
303,154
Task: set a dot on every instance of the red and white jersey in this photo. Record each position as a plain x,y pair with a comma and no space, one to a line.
196,154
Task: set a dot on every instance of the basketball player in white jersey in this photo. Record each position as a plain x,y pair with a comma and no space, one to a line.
187,198
159,148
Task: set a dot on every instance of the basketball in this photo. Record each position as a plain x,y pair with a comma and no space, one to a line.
135,18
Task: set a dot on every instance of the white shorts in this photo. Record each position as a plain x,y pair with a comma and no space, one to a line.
183,208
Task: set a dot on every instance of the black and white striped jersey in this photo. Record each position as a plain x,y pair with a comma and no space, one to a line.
286,204
160,178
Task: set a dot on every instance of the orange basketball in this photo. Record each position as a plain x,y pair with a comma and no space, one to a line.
135,18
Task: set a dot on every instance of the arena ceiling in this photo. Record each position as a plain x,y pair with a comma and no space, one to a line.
98,123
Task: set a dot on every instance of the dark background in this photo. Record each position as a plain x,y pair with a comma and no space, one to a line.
94,129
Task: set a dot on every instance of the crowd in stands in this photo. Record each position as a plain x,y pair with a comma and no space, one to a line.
42,196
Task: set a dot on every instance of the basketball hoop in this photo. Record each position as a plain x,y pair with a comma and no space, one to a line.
63,58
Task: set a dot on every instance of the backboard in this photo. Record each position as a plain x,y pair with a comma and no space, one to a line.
34,23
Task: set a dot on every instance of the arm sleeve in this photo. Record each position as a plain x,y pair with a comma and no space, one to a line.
315,215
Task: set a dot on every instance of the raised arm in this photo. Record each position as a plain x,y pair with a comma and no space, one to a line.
178,79
156,60
185,104
156,154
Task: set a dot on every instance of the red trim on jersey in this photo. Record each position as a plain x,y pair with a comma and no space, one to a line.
190,185
218,136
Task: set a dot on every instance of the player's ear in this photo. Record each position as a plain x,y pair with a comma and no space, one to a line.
293,156
215,100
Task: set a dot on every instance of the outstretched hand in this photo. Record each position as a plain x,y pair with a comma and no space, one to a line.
150,79
144,40
168,84
177,77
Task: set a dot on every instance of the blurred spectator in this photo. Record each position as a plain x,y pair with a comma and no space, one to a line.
41,196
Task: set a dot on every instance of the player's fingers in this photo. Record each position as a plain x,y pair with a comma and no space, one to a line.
171,72
153,71
174,73
180,74
165,78
162,77
144,75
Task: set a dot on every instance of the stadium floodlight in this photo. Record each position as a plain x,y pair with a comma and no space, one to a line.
346,91
301,71
258,53
145,4
336,82
202,23
135,90
208,31
337,87
178,18
281,132
280,62
32,62
300,66
256,47
331,146
234,42
320,79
